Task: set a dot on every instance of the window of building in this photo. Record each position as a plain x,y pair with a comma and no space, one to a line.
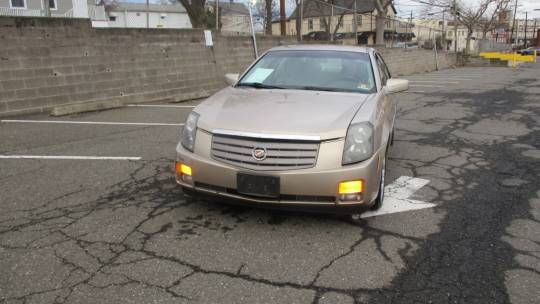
138,14
112,18
358,19
310,24
322,22
18,3
52,4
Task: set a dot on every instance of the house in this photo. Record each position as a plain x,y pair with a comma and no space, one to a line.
58,8
234,16
525,30
316,15
459,36
138,15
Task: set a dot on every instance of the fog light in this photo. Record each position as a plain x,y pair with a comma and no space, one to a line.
350,197
351,187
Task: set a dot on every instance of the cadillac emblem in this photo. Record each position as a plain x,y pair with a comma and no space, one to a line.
259,153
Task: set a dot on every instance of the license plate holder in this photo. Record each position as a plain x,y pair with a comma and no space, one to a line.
258,185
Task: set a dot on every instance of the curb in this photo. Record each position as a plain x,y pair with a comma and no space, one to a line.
86,107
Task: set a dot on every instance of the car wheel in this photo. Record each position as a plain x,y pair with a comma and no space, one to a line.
380,195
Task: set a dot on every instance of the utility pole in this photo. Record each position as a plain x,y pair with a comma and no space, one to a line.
282,24
330,23
444,32
456,26
355,24
535,36
147,13
513,22
409,26
217,15
301,20
526,21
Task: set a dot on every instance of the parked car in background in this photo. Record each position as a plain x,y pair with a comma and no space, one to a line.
530,51
324,36
304,127
406,45
317,35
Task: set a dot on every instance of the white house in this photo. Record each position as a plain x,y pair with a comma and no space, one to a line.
58,8
154,16
234,16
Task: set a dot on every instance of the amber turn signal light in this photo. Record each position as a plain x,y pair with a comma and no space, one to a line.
183,169
351,187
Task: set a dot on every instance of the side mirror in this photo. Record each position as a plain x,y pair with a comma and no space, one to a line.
231,78
397,85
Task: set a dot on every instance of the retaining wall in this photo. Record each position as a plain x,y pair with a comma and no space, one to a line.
46,62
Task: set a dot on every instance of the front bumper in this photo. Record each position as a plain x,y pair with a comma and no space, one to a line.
305,189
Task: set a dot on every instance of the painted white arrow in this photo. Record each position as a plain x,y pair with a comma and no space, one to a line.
397,197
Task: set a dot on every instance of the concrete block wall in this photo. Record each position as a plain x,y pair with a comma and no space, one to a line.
413,61
50,62
46,62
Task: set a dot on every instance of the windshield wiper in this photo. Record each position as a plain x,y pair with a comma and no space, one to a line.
312,88
257,85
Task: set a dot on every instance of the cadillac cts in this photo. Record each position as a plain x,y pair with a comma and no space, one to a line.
304,127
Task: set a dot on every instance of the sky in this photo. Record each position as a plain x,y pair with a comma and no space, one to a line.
404,7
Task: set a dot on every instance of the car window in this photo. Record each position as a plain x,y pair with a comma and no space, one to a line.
313,70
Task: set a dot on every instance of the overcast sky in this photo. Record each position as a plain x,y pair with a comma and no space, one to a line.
405,7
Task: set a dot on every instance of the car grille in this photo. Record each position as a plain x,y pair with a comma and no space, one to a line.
280,154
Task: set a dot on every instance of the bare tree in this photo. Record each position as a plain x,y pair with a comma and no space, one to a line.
382,7
197,12
267,10
492,20
473,17
322,9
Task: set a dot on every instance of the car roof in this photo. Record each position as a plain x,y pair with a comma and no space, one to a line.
323,47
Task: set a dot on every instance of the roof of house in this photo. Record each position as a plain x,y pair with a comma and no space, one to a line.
141,7
316,8
230,8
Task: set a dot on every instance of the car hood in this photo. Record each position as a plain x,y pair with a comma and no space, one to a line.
283,112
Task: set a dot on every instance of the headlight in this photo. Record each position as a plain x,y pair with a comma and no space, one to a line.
189,131
358,143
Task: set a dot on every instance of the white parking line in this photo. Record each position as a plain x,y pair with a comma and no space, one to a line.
159,106
426,85
91,122
397,197
431,81
436,77
69,157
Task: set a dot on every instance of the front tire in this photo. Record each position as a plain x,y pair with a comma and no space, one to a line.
377,203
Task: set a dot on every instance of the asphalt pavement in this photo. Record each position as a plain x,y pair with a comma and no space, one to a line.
90,212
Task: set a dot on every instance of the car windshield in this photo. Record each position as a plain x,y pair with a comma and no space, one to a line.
337,71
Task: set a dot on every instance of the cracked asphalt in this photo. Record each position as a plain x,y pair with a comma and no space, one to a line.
112,231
